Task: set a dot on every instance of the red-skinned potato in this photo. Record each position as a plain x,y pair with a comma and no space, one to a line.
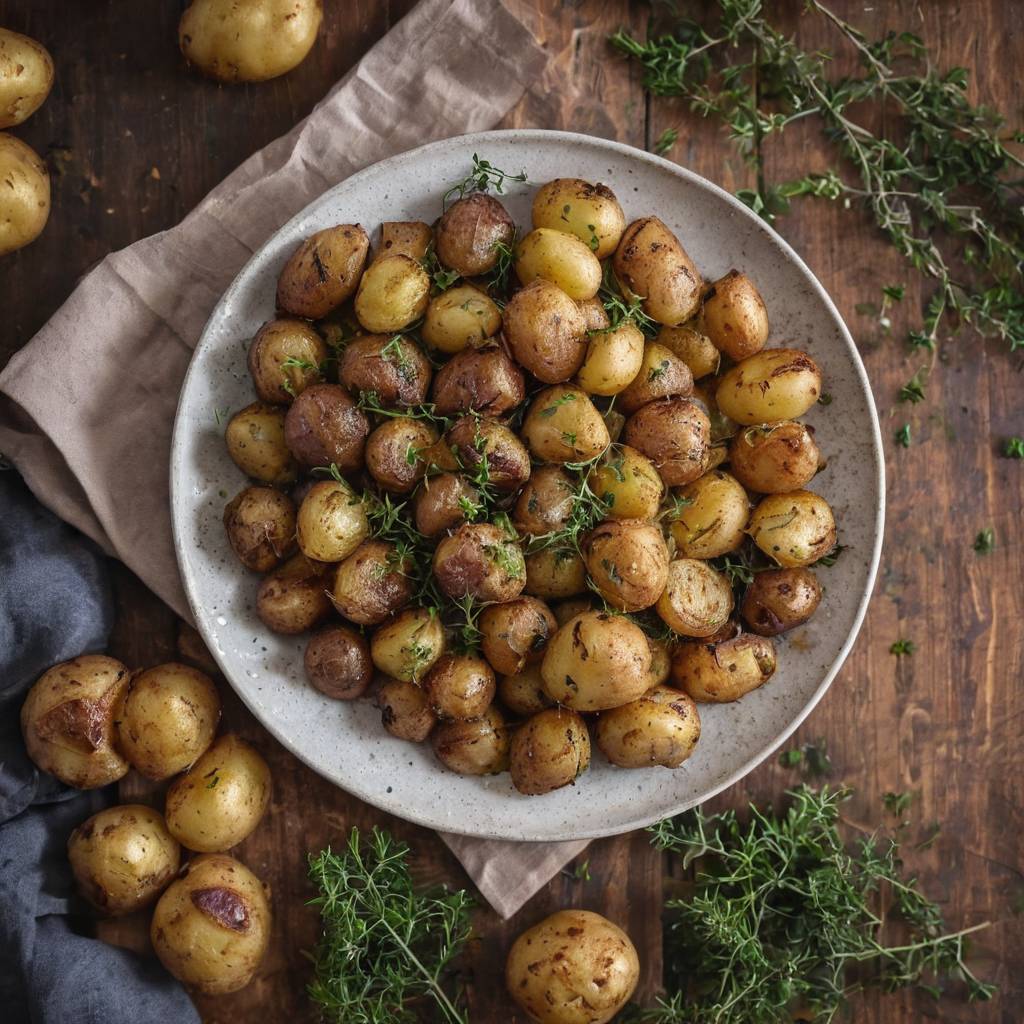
442,503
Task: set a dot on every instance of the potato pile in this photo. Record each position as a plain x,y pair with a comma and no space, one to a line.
88,721
531,494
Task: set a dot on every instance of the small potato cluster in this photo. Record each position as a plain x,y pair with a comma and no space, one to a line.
530,494
90,720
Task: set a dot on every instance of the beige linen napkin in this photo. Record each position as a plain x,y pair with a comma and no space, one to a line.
92,440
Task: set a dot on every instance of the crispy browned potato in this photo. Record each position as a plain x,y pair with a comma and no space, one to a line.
323,272
674,434
550,750
713,521
257,443
694,348
481,561
524,693
393,292
561,258
469,232
723,672
590,212
697,599
443,502
405,710
546,501
775,384
406,646
793,529
325,427
260,524
460,686
515,633
780,599
337,662
555,572
478,746
662,374
563,425
395,453
294,597
459,317
408,237
25,199
26,77
628,562
483,380
392,367
331,522
372,583
285,357
660,728
473,439
546,331
776,458
734,317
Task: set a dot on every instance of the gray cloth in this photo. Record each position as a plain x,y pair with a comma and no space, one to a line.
55,604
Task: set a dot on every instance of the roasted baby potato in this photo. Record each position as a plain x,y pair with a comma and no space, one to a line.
459,317
695,349
774,385
122,858
650,262
212,925
443,502
774,459
628,562
550,750
590,212
323,272
613,360
69,721
779,600
697,599
481,561
26,77
472,439
524,693
660,728
405,710
627,483
661,661
372,583
392,293
220,799
478,746
674,434
563,425
408,237
713,520
546,331
555,572
25,199
662,374
793,529
395,453
515,632
285,357
469,233
324,427
722,672
406,646
331,522
257,444
168,717
459,686
260,524
482,379
338,663
733,316
575,967
563,259
392,367
294,597
596,661
545,502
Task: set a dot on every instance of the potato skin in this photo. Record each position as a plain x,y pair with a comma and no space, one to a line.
722,672
481,561
546,331
26,77
552,573
561,258
460,686
277,342
441,503
469,231
774,459
775,384
545,502
550,750
212,925
478,746
68,721
392,293
590,212
779,600
408,237
694,348
595,316
563,425
405,710
515,633
396,453
220,799
596,661
168,718
734,317
613,360
508,462
407,645
371,583
714,521
25,201
331,522
674,434
323,271
260,524
122,858
575,967
524,693
460,317
660,728
483,380
650,261
324,426
293,598
697,599
257,443
662,374
793,529
392,367
628,562
627,483
337,662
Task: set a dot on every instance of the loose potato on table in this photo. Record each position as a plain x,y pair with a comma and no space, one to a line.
393,292
294,597
285,357
774,385
460,686
472,440
550,750
713,520
694,348
555,572
26,77
627,484
575,967
674,434
69,721
323,271
469,233
481,561
563,425
459,317
338,663
733,316
406,646
257,443
561,258
260,524
331,522
324,427
776,458
408,237
613,360
590,212
723,672
524,693
391,366
779,600
397,452
372,583
792,529
479,379
662,374
546,501
546,332
628,563
697,599
660,728
514,633
478,746
122,858
168,718
443,502
211,927
25,194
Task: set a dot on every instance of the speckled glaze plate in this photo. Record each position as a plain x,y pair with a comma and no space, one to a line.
345,741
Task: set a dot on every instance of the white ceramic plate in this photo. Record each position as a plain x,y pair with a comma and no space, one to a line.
345,741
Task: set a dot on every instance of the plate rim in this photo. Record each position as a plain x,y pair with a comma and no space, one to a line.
570,138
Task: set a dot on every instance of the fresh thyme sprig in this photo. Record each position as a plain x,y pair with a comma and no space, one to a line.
441,278
620,309
483,177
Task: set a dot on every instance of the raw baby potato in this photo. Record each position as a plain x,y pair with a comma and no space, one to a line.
122,858
560,258
24,194
323,271
26,77
212,925
575,967
660,728
549,751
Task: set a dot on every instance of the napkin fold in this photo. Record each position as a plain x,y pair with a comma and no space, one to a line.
87,407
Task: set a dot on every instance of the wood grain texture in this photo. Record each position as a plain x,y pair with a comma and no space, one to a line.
134,141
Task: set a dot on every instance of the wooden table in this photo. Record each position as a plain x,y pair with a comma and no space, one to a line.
134,141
